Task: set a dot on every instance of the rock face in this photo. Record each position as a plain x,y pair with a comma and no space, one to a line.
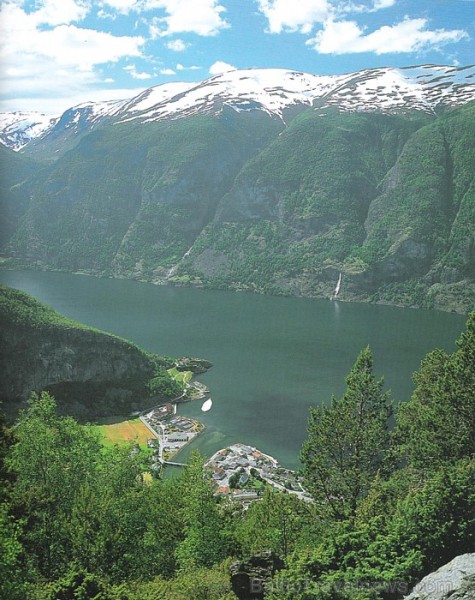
454,581
240,196
90,373
248,578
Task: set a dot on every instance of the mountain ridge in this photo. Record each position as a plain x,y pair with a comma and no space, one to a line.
270,201
425,88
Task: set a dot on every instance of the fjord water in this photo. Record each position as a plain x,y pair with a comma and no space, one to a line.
273,357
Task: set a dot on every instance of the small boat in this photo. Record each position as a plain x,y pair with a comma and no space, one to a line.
337,289
207,404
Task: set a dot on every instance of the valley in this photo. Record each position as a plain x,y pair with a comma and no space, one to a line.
267,181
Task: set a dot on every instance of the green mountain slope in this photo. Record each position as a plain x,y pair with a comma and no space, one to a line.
15,171
90,372
244,201
132,194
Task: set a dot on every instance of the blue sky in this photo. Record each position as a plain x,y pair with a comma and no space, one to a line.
57,53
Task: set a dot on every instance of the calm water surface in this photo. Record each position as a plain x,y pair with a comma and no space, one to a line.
273,357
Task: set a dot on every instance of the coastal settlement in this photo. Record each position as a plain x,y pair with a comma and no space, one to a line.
239,472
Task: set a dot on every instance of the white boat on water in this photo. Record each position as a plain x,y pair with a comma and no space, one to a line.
207,404
337,289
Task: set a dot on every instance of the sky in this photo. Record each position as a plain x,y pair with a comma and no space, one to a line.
55,54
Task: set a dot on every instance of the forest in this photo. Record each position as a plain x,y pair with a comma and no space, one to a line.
393,490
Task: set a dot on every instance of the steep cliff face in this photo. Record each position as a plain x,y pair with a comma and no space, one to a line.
243,200
91,373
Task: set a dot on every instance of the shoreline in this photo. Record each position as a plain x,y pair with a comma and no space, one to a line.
351,298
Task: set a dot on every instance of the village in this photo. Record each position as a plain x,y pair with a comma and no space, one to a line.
239,472
242,472
171,432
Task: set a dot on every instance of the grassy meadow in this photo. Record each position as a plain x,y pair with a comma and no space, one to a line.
114,432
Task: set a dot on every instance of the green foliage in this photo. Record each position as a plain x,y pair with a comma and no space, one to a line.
438,520
204,544
164,385
51,457
437,426
77,585
84,507
275,522
238,202
348,441
12,585
200,584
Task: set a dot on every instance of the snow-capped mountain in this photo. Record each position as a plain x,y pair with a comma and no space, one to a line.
427,88
155,95
17,129
270,90
88,114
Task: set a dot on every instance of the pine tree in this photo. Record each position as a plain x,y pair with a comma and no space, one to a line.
437,426
347,442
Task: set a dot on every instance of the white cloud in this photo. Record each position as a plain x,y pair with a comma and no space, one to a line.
167,72
202,17
43,55
177,45
351,7
132,70
122,6
294,15
180,67
383,4
61,12
220,67
410,35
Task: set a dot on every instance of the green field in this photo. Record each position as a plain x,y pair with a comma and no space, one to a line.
181,376
113,431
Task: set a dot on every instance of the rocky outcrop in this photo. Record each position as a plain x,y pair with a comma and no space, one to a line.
249,578
91,373
454,581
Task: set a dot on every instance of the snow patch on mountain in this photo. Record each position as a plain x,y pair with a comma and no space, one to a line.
426,88
271,90
155,95
17,129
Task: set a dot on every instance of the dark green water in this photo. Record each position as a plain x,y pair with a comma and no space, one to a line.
273,357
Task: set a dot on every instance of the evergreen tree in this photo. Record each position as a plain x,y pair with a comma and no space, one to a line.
437,426
274,523
347,442
204,544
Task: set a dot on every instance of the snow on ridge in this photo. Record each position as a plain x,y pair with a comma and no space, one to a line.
107,108
19,128
423,88
155,95
273,90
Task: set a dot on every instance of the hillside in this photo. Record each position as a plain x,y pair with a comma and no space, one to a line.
268,181
91,373
15,171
